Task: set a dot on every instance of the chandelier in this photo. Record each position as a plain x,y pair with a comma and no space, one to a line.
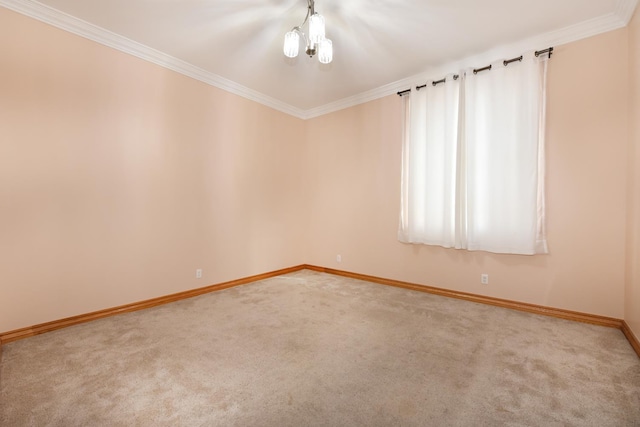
316,43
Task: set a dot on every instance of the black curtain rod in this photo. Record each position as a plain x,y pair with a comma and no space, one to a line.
437,82
477,70
509,61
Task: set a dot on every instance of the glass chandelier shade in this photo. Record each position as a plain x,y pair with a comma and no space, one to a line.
316,42
316,28
325,51
291,44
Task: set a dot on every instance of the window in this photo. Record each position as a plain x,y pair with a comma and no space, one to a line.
473,160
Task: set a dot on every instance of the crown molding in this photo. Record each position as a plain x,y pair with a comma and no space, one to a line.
363,97
105,37
617,19
624,10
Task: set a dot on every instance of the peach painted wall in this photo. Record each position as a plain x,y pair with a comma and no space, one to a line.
354,170
632,294
118,178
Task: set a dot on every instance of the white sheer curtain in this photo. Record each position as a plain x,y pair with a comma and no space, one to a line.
473,161
429,172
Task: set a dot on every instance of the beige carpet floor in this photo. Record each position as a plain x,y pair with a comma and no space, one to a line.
310,349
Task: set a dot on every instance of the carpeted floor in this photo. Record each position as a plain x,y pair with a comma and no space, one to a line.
310,349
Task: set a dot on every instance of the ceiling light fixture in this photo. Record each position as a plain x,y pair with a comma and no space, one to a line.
316,43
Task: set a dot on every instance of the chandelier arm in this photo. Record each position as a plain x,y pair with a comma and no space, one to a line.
304,36
310,49
306,18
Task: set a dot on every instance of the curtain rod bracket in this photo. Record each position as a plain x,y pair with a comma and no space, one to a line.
543,51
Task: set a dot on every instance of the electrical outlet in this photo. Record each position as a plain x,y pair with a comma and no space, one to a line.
199,273
339,258
484,279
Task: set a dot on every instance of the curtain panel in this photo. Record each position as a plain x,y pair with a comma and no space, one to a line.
473,160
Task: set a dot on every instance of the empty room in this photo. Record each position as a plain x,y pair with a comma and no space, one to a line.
299,212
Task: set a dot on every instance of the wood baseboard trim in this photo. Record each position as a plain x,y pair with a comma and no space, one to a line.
42,328
514,305
633,340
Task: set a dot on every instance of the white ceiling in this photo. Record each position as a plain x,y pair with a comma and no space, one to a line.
379,45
